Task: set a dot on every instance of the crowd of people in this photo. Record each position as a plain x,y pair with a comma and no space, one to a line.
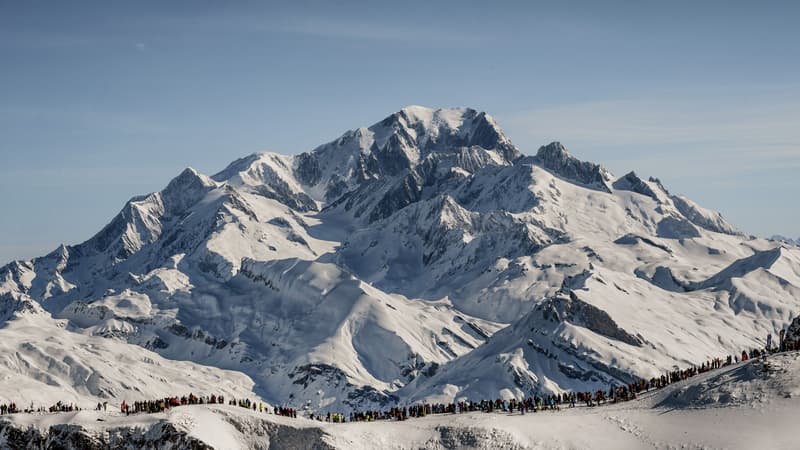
163,404
11,408
551,402
8,408
61,407
261,407
535,403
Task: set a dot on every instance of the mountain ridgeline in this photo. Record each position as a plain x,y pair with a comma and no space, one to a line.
422,257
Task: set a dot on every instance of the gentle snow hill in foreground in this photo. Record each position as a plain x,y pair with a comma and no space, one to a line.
422,257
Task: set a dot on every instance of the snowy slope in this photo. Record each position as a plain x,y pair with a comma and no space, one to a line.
421,257
45,361
744,406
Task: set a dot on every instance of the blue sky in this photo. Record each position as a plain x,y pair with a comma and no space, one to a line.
103,101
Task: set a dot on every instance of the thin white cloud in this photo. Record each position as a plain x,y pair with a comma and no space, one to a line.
374,30
733,130
661,120
48,40
365,29
81,119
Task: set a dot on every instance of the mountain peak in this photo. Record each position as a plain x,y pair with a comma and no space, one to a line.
452,118
240,165
185,190
190,177
442,129
398,144
556,158
425,111
554,149
631,182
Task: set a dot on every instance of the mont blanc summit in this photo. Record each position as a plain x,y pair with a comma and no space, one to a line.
422,257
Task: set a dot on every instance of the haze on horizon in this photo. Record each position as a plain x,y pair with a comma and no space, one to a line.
102,102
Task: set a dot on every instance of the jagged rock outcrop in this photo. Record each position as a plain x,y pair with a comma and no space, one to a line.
793,330
399,144
556,158
163,435
14,305
631,182
710,220
572,309
676,228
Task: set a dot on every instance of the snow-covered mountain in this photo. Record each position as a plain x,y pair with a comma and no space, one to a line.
421,257
786,240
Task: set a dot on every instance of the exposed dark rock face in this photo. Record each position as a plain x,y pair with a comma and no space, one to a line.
555,158
14,305
460,437
185,190
308,373
793,332
307,169
715,223
580,313
631,182
403,150
406,192
280,192
675,228
486,135
163,435
632,239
